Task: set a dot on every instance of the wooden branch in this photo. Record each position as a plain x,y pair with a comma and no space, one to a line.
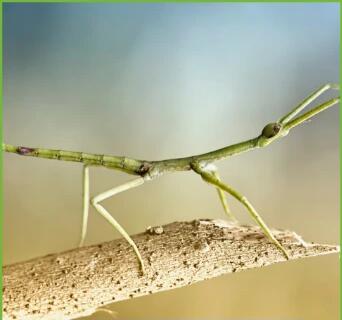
75,283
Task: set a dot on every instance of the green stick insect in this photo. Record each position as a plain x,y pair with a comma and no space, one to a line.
200,164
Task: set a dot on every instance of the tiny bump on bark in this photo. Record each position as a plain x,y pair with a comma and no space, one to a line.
155,230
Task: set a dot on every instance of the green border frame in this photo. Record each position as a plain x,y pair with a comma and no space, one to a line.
173,1
142,1
1,162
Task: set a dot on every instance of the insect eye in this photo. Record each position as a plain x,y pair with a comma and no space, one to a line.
271,130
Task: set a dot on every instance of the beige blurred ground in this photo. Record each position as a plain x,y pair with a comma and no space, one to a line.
187,80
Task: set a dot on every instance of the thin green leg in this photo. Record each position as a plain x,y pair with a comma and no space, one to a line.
85,199
210,178
223,199
104,213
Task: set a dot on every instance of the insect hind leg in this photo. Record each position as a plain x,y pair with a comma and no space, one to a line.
105,214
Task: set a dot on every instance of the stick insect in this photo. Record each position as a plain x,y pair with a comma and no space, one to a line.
200,164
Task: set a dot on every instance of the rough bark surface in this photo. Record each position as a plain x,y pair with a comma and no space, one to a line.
75,283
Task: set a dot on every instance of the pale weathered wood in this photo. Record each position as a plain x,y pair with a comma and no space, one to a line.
74,283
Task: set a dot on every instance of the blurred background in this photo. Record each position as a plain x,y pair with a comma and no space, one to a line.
154,81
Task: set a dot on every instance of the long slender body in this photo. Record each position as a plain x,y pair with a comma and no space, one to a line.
129,165
147,170
142,167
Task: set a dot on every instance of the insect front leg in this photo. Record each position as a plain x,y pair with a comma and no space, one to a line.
221,193
210,178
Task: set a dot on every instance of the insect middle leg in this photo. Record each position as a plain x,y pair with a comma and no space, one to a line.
104,213
210,178
85,200
223,199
